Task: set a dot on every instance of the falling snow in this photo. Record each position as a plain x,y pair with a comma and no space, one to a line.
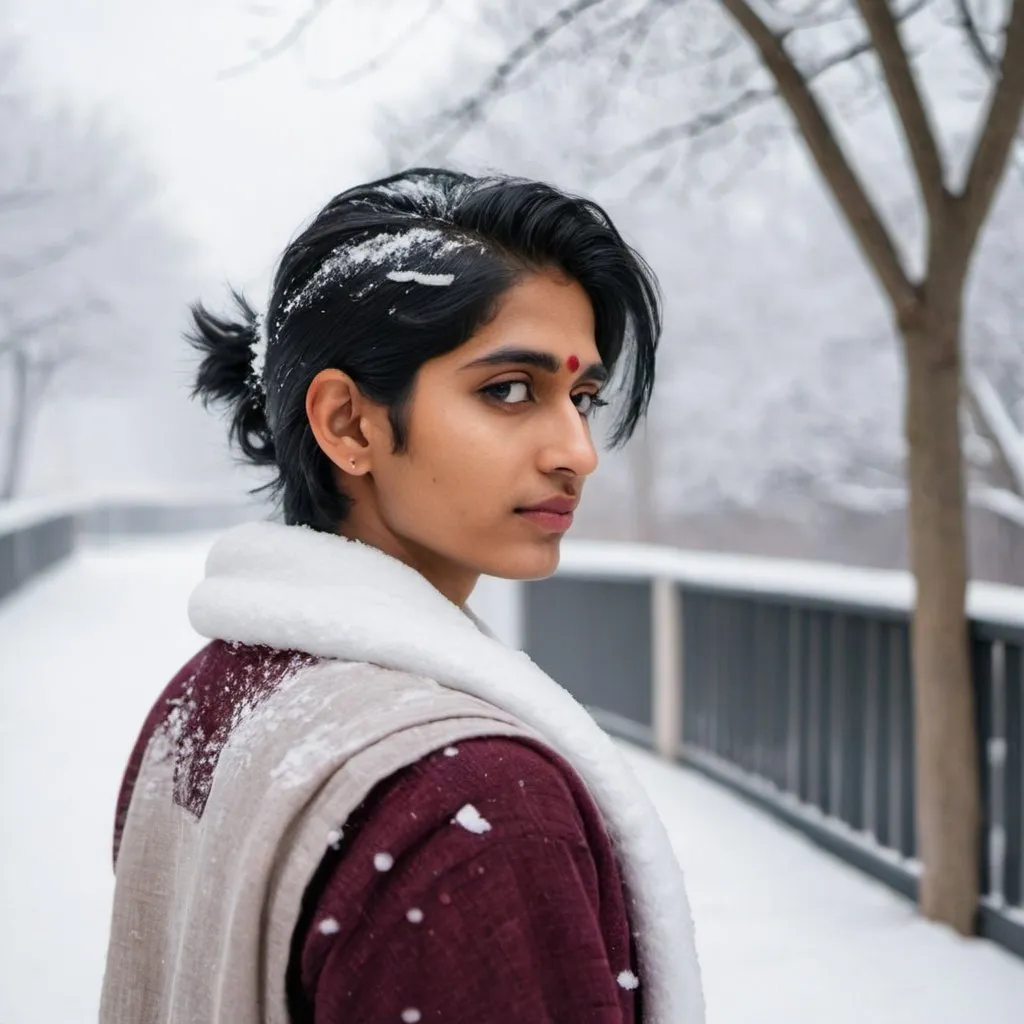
451,751
471,820
329,926
415,915
383,861
334,838
628,980
411,1015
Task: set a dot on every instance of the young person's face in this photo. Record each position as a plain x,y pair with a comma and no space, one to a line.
490,436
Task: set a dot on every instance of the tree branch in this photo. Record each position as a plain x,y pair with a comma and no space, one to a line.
906,97
12,267
22,198
289,39
733,107
860,212
973,33
16,337
638,29
997,136
471,111
384,57
990,64
985,403
689,129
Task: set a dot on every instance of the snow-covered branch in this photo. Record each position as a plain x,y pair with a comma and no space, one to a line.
998,425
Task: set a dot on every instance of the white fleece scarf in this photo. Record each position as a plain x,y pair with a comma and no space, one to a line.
295,589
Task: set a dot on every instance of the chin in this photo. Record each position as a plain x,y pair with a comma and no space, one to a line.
538,562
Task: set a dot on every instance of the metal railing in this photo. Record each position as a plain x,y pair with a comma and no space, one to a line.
790,683
35,535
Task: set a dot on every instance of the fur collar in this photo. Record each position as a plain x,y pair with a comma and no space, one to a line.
293,588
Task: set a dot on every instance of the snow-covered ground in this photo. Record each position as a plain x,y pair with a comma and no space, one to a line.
787,935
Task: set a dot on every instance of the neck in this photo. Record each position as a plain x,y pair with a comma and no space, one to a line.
455,582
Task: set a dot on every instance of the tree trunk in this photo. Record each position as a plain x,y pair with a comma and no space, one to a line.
946,748
18,429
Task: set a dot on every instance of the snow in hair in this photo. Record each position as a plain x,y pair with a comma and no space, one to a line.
421,189
388,248
258,354
418,278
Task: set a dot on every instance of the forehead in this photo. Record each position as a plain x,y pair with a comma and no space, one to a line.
544,309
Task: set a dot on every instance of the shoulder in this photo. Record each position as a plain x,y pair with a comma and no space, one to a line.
198,710
457,803
490,799
486,849
515,787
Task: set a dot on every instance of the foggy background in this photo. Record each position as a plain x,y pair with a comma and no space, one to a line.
156,152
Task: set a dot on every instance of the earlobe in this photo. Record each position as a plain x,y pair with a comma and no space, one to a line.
333,409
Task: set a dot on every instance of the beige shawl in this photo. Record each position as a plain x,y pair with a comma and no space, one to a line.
204,910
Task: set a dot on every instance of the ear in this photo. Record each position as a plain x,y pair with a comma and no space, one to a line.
336,410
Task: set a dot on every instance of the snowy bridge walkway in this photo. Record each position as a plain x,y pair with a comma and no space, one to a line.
787,935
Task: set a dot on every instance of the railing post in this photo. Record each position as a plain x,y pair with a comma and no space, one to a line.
666,667
995,758
23,567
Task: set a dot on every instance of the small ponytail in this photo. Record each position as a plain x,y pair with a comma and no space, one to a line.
226,376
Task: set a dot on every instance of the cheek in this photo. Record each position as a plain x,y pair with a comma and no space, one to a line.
460,465
466,444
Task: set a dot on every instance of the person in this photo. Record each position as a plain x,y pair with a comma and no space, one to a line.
355,803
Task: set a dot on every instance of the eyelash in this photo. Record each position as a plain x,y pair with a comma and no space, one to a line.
595,402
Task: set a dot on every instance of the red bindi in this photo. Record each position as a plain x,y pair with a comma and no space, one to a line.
573,363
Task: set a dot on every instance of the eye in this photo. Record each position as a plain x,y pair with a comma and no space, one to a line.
587,404
509,392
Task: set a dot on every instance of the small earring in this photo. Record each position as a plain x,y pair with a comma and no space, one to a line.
352,463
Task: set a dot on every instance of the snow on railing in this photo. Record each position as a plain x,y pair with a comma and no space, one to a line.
39,532
22,512
25,512
816,582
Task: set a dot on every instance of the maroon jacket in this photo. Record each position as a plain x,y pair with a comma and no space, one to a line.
529,929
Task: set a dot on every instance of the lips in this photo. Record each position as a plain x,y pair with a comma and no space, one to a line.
560,506
553,516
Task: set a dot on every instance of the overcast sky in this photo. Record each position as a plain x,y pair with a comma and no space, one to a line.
245,160
243,163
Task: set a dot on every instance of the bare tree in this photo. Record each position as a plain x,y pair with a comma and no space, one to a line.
797,46
34,349
69,194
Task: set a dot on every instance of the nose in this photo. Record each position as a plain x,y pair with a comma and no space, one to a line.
568,446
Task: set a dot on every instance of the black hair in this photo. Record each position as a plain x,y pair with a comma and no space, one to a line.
348,295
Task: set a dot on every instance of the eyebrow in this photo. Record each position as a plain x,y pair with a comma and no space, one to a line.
542,360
